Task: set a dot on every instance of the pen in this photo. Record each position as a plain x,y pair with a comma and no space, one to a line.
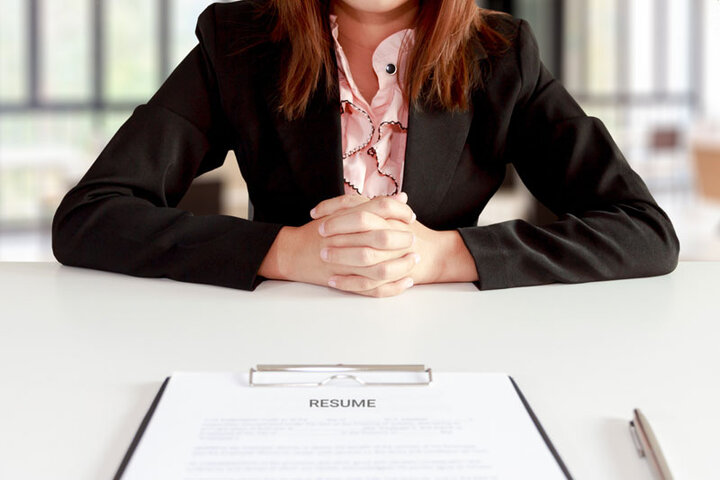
648,446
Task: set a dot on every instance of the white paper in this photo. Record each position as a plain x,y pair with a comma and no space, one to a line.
213,426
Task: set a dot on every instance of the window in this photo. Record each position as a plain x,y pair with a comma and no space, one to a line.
72,72
634,64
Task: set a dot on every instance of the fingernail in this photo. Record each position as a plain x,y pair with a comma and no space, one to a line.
332,283
416,257
414,217
324,254
402,196
322,229
313,212
408,283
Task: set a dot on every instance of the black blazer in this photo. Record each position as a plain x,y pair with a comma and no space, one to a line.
121,216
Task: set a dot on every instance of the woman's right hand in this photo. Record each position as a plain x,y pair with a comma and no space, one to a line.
377,258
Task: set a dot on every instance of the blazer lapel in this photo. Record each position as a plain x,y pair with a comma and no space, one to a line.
435,141
313,147
434,145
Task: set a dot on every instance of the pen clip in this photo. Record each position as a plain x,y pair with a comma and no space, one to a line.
636,439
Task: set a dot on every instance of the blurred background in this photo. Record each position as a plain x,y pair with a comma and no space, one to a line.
71,72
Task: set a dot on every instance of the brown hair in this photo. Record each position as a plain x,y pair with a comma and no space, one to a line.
443,60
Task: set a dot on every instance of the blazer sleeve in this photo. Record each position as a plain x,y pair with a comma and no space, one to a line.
121,217
609,225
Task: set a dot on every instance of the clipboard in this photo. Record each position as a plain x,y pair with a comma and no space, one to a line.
356,373
341,372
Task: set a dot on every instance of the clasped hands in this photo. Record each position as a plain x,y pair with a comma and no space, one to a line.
374,247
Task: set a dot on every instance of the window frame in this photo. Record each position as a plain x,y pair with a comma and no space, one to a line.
97,101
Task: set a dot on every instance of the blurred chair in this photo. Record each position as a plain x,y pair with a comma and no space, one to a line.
706,159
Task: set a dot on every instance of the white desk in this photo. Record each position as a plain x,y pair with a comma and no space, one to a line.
82,354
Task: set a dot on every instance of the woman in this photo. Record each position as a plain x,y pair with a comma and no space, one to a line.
371,134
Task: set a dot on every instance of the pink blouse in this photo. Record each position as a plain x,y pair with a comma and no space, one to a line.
374,134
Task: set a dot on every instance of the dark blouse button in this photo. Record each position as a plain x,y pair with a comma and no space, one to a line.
390,69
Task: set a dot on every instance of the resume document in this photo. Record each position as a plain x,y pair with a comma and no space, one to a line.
214,426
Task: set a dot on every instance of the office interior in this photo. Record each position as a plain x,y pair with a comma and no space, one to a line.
72,71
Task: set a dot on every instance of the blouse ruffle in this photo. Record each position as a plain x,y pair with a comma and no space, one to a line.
374,134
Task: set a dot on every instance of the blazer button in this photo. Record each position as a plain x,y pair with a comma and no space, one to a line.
390,69
371,151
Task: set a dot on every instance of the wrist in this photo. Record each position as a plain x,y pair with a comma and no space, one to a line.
455,263
277,262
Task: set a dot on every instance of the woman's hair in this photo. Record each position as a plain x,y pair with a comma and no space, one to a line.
443,59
